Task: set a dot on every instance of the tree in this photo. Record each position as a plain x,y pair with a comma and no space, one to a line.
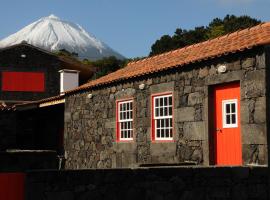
215,28
105,65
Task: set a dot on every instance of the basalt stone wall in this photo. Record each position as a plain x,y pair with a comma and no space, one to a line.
35,61
90,123
156,183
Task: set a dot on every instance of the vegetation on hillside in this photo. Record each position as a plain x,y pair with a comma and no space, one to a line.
216,28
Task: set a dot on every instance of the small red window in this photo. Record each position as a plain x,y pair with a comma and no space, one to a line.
162,117
124,120
23,81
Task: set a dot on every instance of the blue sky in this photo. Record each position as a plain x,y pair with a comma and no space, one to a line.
128,26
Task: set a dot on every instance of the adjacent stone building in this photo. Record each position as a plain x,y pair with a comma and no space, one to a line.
28,73
205,104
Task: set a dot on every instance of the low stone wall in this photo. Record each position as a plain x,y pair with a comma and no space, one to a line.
149,183
28,160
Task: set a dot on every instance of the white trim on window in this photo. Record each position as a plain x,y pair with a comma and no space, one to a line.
125,120
230,113
163,117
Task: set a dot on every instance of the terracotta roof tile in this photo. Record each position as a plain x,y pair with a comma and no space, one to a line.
230,43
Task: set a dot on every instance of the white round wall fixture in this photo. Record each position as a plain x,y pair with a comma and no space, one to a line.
222,69
142,86
90,96
23,56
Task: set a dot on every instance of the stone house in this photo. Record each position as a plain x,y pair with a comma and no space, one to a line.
29,73
204,104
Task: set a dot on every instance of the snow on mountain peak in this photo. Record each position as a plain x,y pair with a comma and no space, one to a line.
52,33
52,16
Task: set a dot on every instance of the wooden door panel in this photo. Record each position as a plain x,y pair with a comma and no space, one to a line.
227,130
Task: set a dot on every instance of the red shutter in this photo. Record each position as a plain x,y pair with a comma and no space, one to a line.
12,186
23,81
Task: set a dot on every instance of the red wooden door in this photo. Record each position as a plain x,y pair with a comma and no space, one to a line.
12,186
227,130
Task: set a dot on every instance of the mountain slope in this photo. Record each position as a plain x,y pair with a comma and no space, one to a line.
52,33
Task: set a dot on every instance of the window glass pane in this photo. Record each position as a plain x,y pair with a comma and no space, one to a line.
167,123
157,112
233,107
158,123
171,132
162,122
124,115
127,106
127,114
165,101
162,133
161,101
124,106
121,117
170,122
233,119
165,111
170,111
228,119
121,107
158,133
156,102
161,112
166,132
122,135
131,114
227,108
170,100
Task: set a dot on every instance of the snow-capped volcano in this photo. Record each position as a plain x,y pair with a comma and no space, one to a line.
52,33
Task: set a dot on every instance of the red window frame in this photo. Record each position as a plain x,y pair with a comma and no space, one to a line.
153,119
118,121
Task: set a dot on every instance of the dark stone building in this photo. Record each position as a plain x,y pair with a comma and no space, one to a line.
205,104
28,73
32,136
